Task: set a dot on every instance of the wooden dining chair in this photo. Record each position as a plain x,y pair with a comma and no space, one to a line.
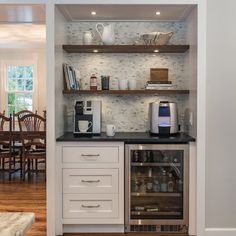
16,144
5,143
2,113
33,137
19,115
45,114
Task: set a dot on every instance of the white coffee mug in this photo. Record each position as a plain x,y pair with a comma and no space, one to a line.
84,125
110,130
123,84
132,84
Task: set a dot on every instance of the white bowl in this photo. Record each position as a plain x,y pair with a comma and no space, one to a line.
156,38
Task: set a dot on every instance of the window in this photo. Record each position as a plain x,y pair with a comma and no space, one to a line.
19,88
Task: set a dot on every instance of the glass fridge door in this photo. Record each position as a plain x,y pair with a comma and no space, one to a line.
157,183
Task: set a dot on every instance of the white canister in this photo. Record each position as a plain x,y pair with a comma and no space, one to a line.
87,38
132,84
110,130
123,84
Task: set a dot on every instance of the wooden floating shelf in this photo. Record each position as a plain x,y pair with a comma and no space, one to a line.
143,91
125,48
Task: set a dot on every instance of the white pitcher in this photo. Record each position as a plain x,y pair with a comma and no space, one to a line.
107,35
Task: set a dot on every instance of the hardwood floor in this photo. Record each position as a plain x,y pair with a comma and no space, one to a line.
28,196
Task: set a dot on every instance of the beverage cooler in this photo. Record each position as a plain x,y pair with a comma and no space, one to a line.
156,179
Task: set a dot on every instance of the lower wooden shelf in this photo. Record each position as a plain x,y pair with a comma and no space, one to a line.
157,213
164,194
141,91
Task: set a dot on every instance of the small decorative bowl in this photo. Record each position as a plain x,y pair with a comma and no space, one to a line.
156,38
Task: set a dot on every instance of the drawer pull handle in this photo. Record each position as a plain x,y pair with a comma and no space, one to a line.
90,155
90,206
90,181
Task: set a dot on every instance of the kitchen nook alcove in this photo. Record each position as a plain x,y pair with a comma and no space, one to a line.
130,58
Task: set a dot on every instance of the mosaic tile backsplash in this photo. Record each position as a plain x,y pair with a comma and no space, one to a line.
127,112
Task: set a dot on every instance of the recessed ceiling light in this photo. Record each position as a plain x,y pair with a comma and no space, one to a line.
95,50
158,13
93,13
156,50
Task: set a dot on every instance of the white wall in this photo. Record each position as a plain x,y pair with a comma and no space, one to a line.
220,118
38,56
60,39
191,72
42,98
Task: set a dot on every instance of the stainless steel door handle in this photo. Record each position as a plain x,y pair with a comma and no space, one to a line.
90,155
90,206
90,181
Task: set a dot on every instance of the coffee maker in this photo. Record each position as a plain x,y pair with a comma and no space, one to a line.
87,117
163,118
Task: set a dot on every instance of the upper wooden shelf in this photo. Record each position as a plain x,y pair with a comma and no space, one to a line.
141,91
125,48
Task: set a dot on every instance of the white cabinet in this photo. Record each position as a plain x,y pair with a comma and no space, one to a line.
90,155
92,190
90,181
90,206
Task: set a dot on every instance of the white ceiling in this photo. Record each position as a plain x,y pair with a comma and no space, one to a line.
22,35
22,26
125,12
22,13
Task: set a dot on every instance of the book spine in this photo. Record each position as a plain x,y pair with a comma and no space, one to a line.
70,77
66,76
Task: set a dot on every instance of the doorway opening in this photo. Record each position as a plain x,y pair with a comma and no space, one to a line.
23,112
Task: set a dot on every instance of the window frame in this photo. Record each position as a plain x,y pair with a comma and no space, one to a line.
4,84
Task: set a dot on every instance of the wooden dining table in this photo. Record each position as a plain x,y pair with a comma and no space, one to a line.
16,135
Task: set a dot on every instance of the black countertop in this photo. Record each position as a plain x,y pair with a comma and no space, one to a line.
129,138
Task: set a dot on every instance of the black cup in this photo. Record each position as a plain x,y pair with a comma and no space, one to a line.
105,82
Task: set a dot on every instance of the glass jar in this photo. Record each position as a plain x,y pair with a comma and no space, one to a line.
93,82
143,187
156,186
163,181
135,185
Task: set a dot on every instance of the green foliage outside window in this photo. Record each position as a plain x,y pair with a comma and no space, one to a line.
20,88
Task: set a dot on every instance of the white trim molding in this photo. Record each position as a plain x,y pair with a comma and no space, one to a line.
192,188
220,231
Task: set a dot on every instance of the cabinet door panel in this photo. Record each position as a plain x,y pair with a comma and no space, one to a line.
83,206
90,155
90,180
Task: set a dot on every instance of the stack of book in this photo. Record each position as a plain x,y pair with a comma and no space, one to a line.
159,85
70,78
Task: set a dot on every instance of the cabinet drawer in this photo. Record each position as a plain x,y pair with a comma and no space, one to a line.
83,206
90,180
91,154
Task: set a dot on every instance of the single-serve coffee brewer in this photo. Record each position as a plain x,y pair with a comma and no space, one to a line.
87,117
163,118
